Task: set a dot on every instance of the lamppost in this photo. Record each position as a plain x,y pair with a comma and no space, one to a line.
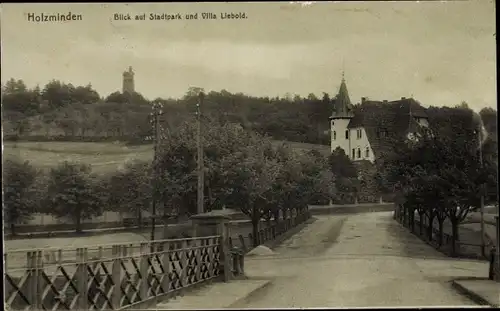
157,112
497,222
200,164
481,206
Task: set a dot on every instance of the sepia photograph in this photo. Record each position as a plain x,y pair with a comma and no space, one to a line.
238,155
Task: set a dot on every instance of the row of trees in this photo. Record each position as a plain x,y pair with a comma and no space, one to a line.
80,112
444,173
243,171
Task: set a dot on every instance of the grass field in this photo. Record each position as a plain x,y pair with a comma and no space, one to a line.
103,157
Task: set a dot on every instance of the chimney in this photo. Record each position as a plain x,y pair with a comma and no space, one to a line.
403,98
363,99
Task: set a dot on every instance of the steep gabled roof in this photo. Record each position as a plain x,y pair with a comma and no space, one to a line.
383,121
342,103
410,105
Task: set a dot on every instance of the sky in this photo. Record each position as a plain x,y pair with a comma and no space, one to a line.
440,53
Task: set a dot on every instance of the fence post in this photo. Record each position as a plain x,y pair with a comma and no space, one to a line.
116,277
166,267
35,268
242,263
226,255
183,262
242,242
216,224
197,250
40,271
143,271
82,278
497,274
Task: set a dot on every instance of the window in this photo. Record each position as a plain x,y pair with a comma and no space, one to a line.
359,133
353,153
359,153
382,133
346,134
334,135
367,152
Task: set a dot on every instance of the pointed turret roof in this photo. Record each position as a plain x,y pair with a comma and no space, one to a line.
342,105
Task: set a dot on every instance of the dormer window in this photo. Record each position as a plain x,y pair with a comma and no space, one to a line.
382,133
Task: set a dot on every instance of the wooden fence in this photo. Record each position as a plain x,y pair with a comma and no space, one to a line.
269,233
123,276
444,242
117,278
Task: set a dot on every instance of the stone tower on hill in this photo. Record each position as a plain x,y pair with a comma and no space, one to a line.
128,81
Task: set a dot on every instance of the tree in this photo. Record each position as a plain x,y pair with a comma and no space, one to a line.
58,94
490,154
312,97
17,97
346,175
130,189
318,182
194,91
75,193
176,169
17,123
440,175
250,175
48,119
20,192
117,98
85,95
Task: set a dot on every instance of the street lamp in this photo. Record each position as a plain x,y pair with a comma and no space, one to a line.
157,112
480,141
200,168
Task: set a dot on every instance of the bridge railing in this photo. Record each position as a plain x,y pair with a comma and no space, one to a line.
111,277
269,233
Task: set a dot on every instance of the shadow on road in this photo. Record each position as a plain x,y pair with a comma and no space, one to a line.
411,245
313,239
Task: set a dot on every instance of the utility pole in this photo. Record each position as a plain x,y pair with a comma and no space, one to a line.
483,240
154,196
200,197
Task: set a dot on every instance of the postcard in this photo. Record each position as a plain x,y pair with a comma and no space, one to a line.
249,155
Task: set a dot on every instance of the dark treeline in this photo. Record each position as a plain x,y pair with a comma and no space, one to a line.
60,109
